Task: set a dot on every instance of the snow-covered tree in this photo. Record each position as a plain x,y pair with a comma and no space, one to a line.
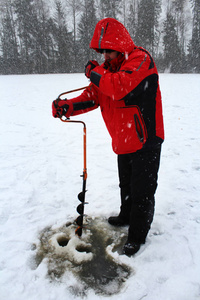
194,44
110,8
9,47
172,52
63,40
86,28
147,33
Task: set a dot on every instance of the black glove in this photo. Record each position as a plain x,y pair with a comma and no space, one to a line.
90,66
106,64
59,108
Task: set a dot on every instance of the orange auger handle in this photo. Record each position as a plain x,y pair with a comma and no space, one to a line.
72,91
81,195
84,128
84,144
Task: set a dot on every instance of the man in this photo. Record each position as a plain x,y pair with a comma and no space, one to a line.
127,90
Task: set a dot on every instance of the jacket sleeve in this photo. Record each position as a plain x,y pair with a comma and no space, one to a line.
132,72
86,102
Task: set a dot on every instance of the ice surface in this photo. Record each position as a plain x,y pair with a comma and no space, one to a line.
41,162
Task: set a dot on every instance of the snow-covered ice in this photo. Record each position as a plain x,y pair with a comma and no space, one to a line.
41,163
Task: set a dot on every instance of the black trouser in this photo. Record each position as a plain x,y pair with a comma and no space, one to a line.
138,173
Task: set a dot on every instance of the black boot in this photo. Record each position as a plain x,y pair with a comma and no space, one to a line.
117,221
131,248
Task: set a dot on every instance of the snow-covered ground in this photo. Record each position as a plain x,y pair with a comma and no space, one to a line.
40,167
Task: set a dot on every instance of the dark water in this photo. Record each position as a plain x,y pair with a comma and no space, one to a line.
103,273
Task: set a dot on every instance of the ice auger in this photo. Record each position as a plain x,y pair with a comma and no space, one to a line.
81,195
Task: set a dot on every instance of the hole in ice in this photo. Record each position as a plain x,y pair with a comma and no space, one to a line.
62,241
93,259
83,248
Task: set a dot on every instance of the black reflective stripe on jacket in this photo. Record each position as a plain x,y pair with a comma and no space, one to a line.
152,65
83,105
95,78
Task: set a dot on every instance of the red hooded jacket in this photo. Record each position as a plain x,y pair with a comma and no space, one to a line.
127,91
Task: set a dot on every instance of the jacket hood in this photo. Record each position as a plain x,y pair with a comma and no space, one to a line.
111,34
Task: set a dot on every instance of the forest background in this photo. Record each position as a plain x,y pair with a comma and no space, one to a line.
43,36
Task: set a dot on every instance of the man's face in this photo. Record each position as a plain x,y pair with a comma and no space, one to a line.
111,55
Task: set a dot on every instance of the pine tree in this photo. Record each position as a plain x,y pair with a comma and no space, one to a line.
110,8
172,52
86,28
10,61
131,21
27,26
42,53
63,39
179,15
194,44
74,8
147,33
